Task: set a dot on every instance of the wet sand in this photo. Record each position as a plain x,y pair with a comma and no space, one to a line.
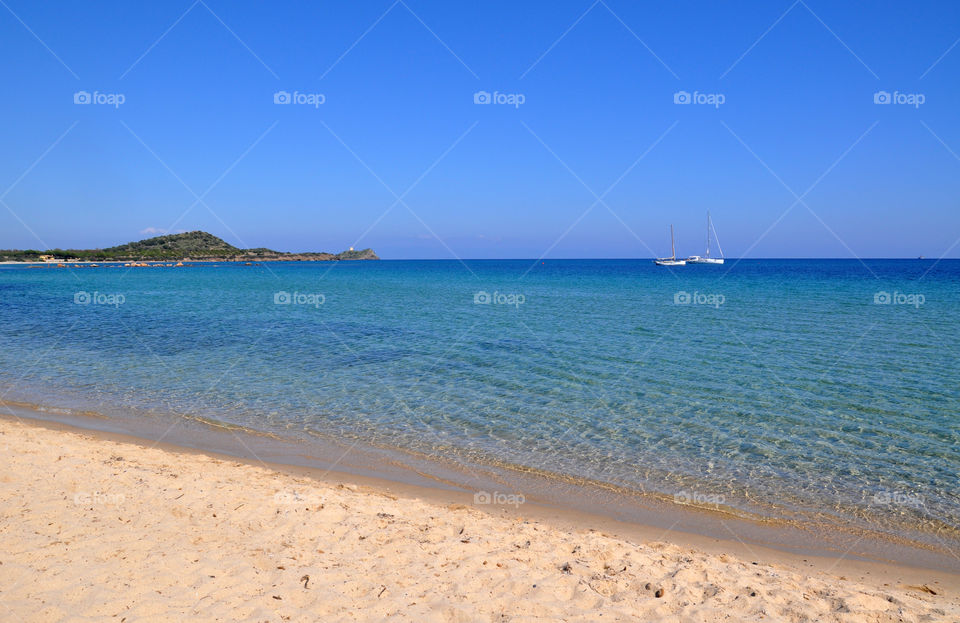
97,525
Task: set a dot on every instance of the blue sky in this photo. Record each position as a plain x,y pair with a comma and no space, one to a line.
596,161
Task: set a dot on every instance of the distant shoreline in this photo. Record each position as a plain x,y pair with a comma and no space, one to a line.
184,247
166,262
296,259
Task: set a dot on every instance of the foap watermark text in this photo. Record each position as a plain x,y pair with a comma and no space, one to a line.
698,298
303,99
109,99
899,298
294,498
695,497
498,298
899,498
298,298
909,99
710,99
98,498
98,298
509,99
501,499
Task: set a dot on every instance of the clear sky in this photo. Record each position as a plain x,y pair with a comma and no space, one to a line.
582,153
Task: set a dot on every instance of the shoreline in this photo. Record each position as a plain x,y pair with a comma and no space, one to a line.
163,263
646,516
222,537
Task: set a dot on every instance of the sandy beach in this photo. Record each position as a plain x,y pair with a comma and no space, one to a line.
99,528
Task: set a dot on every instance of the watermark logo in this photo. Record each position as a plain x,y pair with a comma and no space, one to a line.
898,298
288,498
908,99
502,499
498,298
695,497
710,99
109,99
304,99
99,498
509,99
98,298
698,298
298,298
898,498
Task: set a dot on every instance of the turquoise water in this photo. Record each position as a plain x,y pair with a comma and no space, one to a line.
784,387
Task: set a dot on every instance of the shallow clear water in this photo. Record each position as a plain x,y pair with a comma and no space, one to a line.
781,388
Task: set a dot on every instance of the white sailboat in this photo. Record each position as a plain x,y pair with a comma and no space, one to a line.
672,260
706,259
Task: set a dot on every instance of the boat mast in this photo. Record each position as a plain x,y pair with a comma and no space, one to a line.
717,237
708,234
673,252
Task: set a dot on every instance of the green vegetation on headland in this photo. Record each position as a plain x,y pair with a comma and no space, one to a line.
189,246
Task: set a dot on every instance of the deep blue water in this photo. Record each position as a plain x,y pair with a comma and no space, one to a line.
783,385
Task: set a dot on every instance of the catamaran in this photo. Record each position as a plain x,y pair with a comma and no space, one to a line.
672,260
706,259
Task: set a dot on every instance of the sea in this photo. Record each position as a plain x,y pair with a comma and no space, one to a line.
796,390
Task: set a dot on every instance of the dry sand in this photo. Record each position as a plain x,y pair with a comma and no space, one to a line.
94,528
